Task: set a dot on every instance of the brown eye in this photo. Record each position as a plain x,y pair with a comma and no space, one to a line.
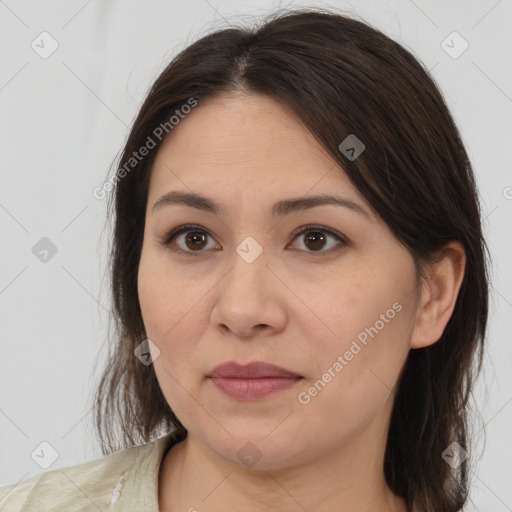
316,238
193,242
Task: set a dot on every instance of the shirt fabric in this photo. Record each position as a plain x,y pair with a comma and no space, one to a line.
125,481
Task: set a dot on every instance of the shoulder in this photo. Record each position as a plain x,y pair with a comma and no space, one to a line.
93,485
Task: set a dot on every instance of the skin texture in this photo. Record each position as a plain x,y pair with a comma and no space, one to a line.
291,306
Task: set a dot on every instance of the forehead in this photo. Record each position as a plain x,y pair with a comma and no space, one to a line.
245,143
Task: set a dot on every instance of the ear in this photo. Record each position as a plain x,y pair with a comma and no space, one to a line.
438,295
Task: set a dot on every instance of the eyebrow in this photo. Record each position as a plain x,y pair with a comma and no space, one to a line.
280,209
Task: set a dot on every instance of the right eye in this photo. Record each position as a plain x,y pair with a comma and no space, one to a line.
194,241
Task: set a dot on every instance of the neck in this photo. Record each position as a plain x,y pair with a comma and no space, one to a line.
351,478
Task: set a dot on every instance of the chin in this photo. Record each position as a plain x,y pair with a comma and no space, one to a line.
257,452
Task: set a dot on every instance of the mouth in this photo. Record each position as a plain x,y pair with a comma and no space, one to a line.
253,381
254,370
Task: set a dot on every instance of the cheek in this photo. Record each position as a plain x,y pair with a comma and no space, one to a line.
358,305
175,313
164,300
355,378
170,314
361,340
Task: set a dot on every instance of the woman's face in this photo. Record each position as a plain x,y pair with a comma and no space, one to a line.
250,284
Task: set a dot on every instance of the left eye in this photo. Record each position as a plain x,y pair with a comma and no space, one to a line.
316,239
196,239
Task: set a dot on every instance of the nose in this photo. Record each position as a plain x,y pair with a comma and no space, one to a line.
249,299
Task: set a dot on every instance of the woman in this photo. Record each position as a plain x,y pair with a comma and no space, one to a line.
299,281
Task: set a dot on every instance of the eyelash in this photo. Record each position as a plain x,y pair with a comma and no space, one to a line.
167,239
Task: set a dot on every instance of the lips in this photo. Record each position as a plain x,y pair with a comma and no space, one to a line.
253,381
254,370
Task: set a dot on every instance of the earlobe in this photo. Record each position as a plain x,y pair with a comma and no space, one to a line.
438,295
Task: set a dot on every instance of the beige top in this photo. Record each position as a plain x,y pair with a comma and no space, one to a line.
122,482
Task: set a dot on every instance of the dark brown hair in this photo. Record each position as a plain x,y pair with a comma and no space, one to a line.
339,76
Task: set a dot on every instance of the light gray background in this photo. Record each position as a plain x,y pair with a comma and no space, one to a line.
63,120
